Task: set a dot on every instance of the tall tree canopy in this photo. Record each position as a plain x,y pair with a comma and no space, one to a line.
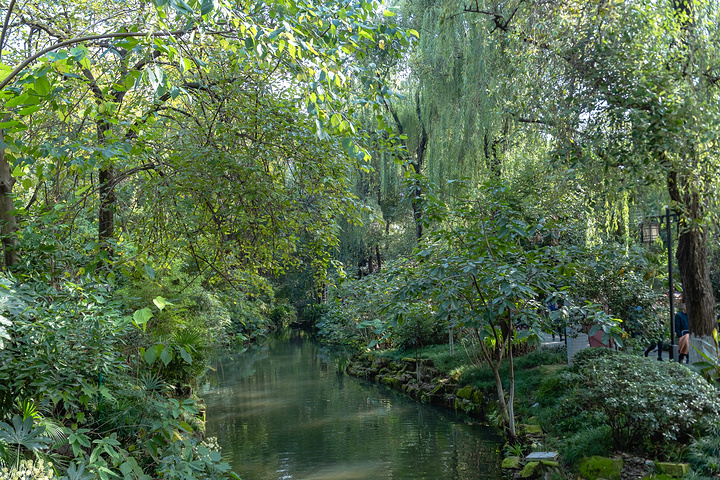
222,124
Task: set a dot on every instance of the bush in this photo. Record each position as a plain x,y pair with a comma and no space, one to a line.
588,356
417,328
644,399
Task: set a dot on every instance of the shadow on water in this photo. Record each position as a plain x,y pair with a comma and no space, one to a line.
282,411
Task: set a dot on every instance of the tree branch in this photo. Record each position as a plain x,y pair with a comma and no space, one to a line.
6,25
74,41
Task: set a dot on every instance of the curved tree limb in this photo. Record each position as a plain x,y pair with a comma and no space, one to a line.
75,41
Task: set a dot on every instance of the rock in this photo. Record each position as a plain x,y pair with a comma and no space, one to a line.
438,389
531,429
658,476
596,467
381,362
465,392
478,397
531,469
676,470
511,462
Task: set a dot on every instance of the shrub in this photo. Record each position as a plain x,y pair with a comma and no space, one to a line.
585,357
417,328
645,399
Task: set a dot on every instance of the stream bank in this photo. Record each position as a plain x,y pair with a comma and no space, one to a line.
419,379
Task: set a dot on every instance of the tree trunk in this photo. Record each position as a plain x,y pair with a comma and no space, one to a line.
106,211
692,257
417,167
511,396
7,207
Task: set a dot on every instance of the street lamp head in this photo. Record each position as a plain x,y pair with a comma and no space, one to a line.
649,231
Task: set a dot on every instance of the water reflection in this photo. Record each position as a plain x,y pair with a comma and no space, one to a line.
282,412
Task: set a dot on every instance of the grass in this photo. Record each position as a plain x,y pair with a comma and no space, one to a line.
530,369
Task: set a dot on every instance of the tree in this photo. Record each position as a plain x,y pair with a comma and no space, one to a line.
137,68
631,88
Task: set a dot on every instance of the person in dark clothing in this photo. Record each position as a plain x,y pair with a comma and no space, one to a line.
682,330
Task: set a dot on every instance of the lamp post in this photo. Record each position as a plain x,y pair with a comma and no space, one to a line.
648,233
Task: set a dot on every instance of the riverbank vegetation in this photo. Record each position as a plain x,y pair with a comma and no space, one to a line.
179,175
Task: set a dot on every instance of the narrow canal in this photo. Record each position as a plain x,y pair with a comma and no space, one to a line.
282,411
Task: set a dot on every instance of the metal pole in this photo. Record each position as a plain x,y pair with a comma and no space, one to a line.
673,347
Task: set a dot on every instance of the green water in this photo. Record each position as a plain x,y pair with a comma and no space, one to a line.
281,411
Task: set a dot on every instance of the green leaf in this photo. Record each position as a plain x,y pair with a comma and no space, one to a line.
166,355
207,7
29,110
42,86
185,355
150,355
185,426
161,303
150,271
181,7
19,100
388,13
141,317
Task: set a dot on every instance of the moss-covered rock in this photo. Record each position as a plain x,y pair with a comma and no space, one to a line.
531,429
595,467
511,463
675,470
465,392
530,470
478,397
440,388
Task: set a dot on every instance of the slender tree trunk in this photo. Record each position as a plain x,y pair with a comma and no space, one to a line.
7,207
417,168
106,190
417,163
106,211
377,255
511,395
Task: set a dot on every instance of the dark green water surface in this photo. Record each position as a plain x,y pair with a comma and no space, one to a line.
281,411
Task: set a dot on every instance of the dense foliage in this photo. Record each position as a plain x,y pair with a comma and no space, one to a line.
178,175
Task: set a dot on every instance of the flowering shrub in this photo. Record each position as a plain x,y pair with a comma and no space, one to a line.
28,470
